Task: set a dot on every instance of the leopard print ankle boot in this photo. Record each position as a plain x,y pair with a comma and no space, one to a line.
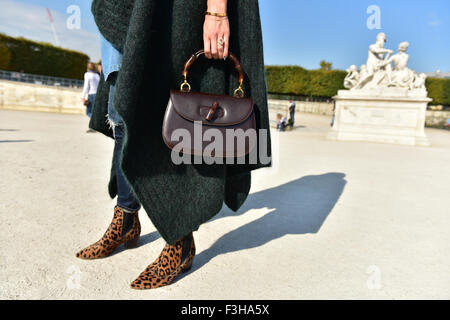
124,228
173,260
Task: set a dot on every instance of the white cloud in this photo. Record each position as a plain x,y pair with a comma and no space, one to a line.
31,22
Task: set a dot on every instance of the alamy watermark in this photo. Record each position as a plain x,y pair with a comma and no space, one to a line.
374,20
219,146
73,22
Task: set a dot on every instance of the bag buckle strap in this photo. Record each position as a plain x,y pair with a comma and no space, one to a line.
212,111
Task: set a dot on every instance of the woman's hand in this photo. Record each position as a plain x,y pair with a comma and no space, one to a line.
216,31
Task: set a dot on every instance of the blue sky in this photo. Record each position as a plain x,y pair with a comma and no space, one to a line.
295,32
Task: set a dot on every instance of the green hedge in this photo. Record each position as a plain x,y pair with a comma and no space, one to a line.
439,91
326,83
17,54
297,81
288,80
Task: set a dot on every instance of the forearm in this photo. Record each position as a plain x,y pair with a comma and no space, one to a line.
85,91
218,6
379,50
216,30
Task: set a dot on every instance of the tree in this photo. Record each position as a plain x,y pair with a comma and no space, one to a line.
5,56
324,65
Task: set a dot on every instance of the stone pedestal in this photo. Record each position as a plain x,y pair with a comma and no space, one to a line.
388,115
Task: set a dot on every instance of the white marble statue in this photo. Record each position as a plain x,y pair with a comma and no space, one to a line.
377,54
419,81
352,77
400,75
384,70
385,101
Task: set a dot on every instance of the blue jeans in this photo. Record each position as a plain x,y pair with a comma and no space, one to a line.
91,99
292,116
125,196
281,126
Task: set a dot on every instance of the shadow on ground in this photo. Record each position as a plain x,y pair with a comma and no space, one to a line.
15,141
298,207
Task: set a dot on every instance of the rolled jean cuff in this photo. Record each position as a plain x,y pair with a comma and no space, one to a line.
129,209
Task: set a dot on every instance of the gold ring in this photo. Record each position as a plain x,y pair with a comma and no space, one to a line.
221,42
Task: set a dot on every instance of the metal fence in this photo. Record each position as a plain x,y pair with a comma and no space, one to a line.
39,79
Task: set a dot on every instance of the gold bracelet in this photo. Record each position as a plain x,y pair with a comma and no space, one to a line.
215,14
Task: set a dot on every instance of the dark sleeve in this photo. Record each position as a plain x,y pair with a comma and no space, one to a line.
98,120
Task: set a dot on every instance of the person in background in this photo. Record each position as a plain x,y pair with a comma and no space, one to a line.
281,122
91,80
99,67
291,113
334,109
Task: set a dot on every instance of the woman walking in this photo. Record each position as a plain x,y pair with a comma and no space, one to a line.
91,80
151,40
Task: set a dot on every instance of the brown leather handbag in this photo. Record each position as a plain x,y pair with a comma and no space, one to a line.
231,117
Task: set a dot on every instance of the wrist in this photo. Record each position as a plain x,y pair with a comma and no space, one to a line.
217,6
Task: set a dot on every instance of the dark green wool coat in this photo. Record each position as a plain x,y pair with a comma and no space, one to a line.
156,38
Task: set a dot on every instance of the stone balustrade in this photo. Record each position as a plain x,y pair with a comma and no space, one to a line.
34,97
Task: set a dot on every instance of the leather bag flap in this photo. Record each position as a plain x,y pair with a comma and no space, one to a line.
194,106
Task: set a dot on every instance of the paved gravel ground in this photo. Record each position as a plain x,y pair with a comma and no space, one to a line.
333,220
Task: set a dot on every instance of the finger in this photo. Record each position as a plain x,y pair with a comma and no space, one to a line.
214,50
226,46
207,47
